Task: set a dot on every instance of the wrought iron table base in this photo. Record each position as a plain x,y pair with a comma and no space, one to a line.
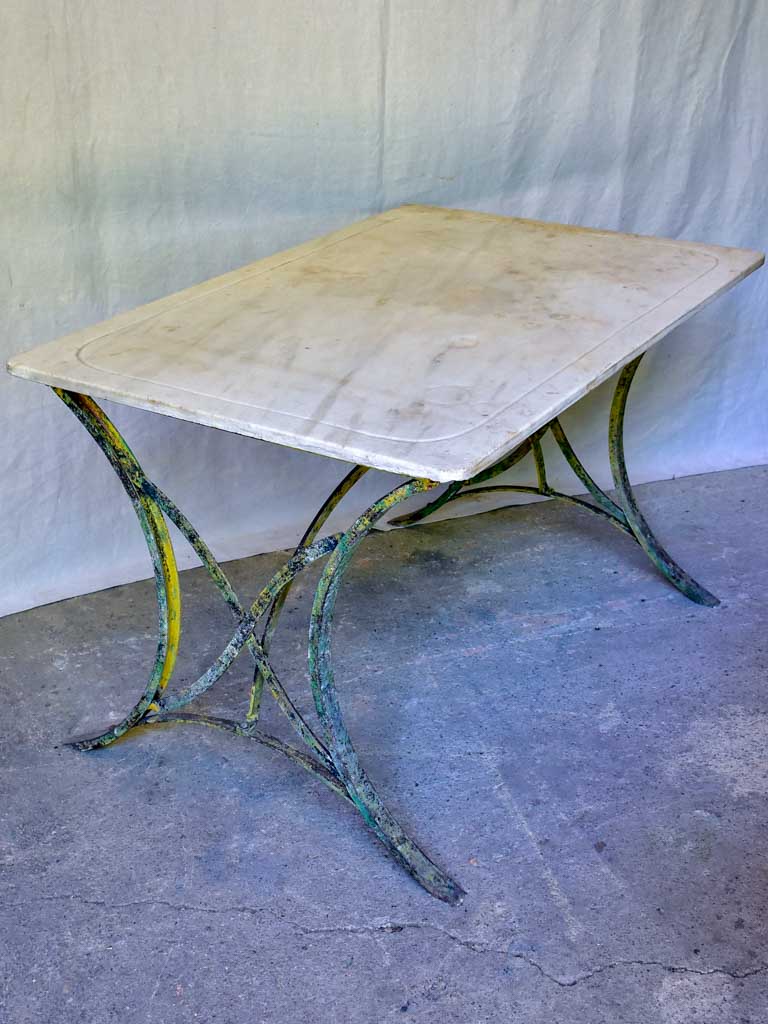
330,755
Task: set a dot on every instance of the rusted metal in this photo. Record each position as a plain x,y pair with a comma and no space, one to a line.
549,493
637,521
281,579
510,460
345,759
238,729
598,494
623,513
223,584
276,607
541,469
334,761
332,757
158,541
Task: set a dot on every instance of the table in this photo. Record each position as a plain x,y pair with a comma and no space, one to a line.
438,344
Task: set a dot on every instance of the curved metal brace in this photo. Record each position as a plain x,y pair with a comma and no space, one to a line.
426,510
338,766
639,525
150,503
221,580
345,759
541,469
228,725
510,460
549,493
273,615
598,494
158,541
281,579
624,513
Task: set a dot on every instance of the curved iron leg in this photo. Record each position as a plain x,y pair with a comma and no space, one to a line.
338,767
339,744
642,531
122,460
320,518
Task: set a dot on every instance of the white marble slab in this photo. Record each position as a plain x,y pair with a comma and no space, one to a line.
424,341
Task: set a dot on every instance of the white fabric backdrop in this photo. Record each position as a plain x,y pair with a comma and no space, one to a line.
149,146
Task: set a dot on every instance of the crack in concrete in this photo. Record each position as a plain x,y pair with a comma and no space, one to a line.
669,968
478,947
150,902
395,927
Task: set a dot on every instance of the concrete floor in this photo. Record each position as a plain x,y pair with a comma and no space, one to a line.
582,747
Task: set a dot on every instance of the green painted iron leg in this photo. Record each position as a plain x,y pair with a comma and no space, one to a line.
622,513
276,607
332,759
163,561
345,759
640,528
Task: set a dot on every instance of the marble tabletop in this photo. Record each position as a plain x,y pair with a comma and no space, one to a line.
425,341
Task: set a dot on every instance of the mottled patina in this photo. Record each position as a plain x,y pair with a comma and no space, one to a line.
332,757
624,514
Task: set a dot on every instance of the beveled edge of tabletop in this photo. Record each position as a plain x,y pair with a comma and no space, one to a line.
440,469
